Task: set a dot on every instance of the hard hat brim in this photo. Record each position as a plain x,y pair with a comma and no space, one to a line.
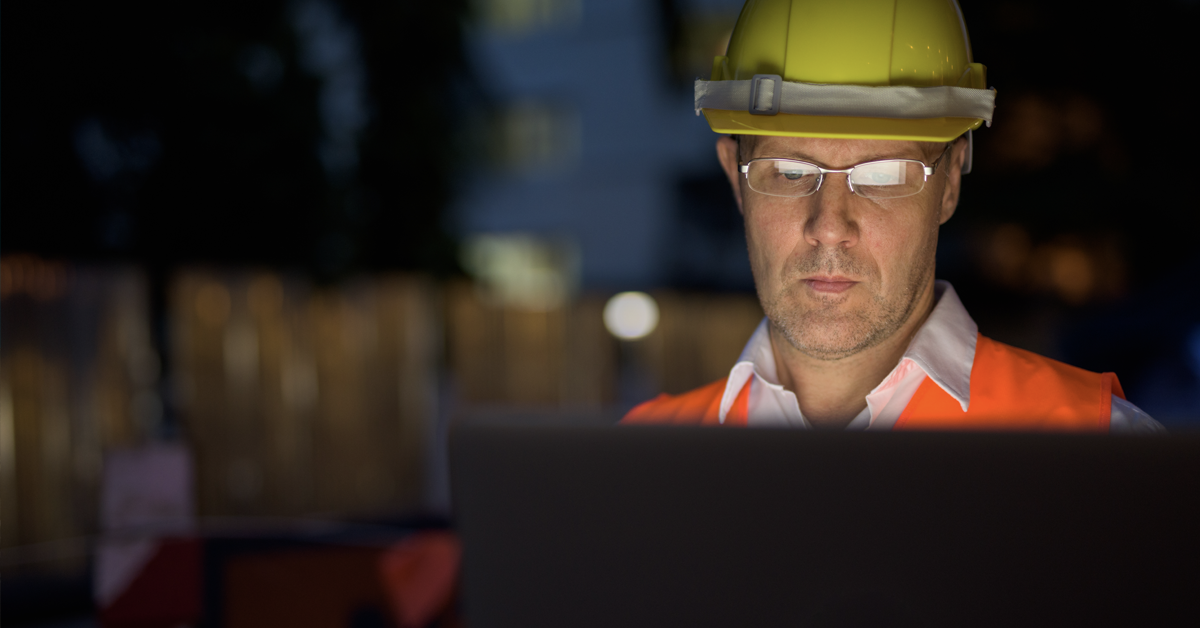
843,127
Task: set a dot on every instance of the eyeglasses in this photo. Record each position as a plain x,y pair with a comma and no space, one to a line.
886,178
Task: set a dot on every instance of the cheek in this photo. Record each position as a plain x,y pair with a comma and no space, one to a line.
773,231
899,239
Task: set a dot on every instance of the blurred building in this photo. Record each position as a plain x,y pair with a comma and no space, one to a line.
592,137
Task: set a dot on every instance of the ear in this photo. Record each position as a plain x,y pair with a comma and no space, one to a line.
953,170
727,153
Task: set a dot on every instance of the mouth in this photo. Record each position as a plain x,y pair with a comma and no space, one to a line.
830,285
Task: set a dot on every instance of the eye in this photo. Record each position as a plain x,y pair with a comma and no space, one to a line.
880,173
792,171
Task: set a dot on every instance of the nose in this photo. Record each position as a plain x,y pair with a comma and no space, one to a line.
831,221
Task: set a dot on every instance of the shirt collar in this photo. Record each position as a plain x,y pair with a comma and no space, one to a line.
757,358
944,348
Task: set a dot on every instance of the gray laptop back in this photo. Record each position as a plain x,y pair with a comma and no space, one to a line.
650,526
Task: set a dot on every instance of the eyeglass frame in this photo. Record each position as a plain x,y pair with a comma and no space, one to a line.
930,170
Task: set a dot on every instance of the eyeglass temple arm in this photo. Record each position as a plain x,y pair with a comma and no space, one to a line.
968,160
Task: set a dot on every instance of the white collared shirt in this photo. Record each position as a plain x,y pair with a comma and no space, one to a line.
943,350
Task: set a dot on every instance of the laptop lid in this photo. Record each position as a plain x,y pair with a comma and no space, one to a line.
658,526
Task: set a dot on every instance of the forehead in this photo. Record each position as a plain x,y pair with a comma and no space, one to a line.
835,152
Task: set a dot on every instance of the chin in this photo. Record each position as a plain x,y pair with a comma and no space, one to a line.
827,335
834,326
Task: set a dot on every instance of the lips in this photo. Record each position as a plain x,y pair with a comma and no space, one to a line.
830,285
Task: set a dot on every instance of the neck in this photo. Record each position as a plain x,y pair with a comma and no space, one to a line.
832,392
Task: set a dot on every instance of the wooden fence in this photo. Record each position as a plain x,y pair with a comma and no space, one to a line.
299,400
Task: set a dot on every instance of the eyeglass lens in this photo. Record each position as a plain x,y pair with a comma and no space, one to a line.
892,178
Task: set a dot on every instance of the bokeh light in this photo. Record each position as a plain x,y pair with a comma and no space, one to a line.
631,315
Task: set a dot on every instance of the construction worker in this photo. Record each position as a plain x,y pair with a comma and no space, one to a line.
846,129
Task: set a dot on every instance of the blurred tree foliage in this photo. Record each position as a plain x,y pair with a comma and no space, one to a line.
179,132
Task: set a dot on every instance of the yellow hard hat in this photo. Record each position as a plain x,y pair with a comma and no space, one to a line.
866,69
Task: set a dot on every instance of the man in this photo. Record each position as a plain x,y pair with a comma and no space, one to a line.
849,128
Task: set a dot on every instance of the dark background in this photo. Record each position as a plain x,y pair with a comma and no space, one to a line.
1080,157
214,156
205,156
221,134
201,151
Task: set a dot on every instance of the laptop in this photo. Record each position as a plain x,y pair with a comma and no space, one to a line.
686,526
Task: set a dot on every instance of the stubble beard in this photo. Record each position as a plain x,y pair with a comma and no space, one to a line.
830,331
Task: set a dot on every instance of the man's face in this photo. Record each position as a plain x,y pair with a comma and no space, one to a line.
838,273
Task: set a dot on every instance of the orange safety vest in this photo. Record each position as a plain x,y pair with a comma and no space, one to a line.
1011,389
